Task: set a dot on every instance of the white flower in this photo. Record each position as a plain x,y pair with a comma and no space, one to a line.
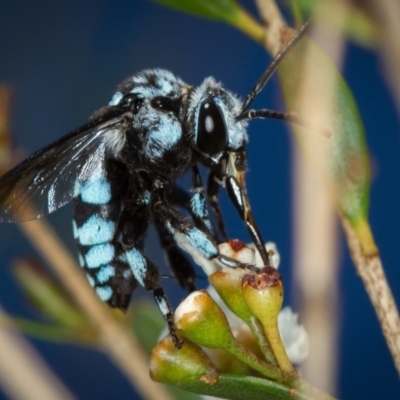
293,335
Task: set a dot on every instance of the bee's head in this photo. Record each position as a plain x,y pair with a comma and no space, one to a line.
211,122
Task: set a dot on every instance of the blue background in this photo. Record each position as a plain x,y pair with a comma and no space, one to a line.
64,60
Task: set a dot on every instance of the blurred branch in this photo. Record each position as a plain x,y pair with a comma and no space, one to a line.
315,237
275,24
117,339
315,272
23,374
387,14
316,231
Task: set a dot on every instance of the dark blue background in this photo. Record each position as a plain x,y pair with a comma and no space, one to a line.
64,60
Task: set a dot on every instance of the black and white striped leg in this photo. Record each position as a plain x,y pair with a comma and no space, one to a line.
198,203
133,224
180,198
166,310
212,198
149,276
176,260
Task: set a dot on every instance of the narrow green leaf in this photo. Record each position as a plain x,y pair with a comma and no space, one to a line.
236,387
228,11
224,10
344,163
47,295
53,333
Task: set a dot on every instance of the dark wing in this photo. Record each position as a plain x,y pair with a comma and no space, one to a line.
46,180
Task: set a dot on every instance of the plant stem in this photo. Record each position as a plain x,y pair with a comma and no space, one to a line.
370,269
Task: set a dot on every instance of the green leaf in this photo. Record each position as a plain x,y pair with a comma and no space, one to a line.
235,387
343,159
224,10
228,11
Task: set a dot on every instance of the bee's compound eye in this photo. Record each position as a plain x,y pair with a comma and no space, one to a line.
211,130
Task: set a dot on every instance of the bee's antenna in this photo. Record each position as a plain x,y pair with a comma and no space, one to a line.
292,118
264,78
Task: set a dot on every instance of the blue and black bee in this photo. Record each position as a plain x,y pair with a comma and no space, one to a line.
120,170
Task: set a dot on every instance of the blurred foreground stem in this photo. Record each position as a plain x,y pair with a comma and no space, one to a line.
117,339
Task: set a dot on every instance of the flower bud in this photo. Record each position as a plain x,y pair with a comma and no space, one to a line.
229,287
229,284
202,321
263,293
170,365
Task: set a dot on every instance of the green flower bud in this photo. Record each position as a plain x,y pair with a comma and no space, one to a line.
202,321
175,366
229,287
263,293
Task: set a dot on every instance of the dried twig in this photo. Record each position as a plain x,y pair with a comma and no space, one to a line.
373,276
23,373
117,339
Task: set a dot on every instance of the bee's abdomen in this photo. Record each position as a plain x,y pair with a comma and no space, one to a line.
96,214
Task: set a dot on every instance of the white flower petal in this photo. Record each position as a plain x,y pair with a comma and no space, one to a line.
294,336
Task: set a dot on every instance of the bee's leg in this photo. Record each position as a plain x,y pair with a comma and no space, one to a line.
176,260
133,225
198,204
212,198
197,207
149,276
204,245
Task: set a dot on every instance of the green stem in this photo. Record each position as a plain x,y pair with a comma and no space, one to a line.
237,350
296,12
308,390
258,332
275,341
247,24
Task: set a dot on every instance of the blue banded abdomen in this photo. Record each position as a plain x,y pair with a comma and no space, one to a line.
96,213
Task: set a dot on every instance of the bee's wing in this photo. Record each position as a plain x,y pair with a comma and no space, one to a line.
46,180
